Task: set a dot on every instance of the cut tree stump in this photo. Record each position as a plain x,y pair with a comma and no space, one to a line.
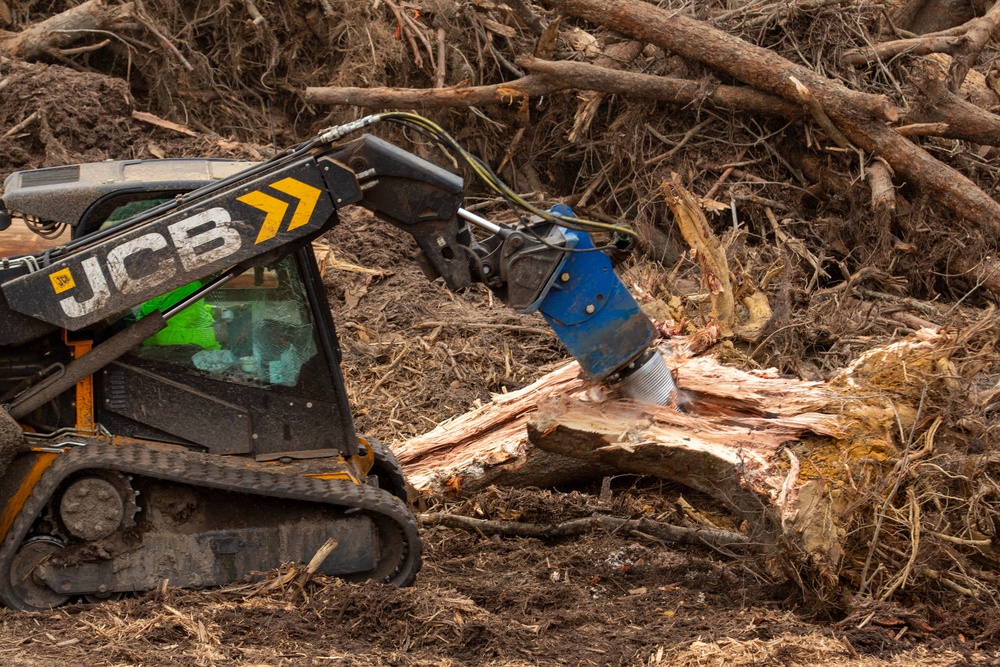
802,461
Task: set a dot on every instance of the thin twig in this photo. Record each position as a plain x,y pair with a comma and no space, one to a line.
442,61
314,563
901,467
20,126
148,23
690,134
404,29
390,369
84,49
662,531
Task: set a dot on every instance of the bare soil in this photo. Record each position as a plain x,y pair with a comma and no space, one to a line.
598,600
415,354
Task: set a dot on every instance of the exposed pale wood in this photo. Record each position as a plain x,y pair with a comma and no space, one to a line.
883,193
484,444
709,252
923,129
616,56
153,119
60,31
790,455
490,442
711,255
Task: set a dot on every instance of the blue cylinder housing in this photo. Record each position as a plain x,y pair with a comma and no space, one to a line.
593,313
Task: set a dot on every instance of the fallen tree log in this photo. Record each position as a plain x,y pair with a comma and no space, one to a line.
937,104
954,118
860,116
805,462
548,77
49,37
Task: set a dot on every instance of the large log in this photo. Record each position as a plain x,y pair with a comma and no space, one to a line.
48,37
489,445
801,460
860,116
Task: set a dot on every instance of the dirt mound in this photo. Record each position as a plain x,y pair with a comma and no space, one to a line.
64,116
53,115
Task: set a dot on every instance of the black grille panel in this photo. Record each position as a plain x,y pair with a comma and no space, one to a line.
50,176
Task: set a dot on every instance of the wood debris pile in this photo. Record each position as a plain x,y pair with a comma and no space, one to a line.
814,189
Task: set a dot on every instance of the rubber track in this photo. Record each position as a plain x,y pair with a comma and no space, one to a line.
227,474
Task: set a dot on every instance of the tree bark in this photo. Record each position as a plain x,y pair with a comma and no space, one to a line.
859,116
883,192
914,46
61,30
952,118
616,56
937,104
550,77
664,89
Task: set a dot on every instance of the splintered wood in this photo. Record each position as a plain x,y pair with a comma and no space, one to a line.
797,458
485,444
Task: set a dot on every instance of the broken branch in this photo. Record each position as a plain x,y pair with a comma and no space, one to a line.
60,31
664,531
550,77
769,72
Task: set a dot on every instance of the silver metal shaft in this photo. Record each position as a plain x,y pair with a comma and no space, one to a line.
479,221
650,383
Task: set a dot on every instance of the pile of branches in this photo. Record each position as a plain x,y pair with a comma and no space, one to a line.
842,154
840,149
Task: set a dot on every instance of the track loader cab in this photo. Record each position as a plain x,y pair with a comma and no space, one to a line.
214,449
252,369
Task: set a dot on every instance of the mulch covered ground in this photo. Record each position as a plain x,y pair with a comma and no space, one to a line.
416,354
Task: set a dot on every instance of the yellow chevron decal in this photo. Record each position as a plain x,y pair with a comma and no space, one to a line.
273,207
307,196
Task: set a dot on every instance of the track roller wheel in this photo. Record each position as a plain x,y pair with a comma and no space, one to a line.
32,592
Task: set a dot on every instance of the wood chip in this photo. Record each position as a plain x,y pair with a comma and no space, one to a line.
152,119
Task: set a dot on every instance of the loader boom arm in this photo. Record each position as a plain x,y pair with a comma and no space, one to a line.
257,215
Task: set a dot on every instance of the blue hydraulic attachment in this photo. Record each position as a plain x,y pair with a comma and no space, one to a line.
591,310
